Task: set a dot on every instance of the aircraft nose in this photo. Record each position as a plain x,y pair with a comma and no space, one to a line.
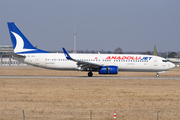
172,65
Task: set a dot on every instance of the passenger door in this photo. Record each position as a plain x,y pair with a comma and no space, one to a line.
155,61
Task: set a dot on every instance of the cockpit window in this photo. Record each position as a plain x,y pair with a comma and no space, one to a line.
165,60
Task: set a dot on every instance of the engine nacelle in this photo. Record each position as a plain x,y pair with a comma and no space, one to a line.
108,70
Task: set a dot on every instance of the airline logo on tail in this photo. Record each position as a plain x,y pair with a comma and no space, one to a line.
21,45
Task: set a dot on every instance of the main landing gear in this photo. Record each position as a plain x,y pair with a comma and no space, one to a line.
90,74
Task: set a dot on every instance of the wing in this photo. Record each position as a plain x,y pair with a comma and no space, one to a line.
82,64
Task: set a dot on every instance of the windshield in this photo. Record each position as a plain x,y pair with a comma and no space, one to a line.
165,60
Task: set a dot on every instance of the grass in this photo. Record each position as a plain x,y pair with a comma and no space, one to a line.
55,91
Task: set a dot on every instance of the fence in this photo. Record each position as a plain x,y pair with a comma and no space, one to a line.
91,110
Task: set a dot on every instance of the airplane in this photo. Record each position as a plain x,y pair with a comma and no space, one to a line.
25,52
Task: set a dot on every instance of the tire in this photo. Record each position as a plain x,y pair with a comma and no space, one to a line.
157,75
90,74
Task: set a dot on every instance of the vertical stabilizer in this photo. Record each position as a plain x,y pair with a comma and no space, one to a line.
20,43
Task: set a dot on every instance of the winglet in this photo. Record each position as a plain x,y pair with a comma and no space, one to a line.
66,54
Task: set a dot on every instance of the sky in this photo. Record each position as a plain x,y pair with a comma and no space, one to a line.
133,25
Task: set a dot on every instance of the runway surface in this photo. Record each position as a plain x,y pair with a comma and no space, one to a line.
95,77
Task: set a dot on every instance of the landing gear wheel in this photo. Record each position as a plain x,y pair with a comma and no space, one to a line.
157,75
90,74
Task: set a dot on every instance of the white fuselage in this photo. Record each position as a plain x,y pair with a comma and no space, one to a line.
124,62
25,52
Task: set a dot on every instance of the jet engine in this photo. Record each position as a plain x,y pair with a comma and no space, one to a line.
108,70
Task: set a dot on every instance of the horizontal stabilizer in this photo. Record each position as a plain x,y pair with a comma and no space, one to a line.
16,55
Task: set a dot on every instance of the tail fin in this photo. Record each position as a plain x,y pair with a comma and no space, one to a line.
21,45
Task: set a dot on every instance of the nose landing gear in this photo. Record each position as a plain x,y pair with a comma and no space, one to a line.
157,75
